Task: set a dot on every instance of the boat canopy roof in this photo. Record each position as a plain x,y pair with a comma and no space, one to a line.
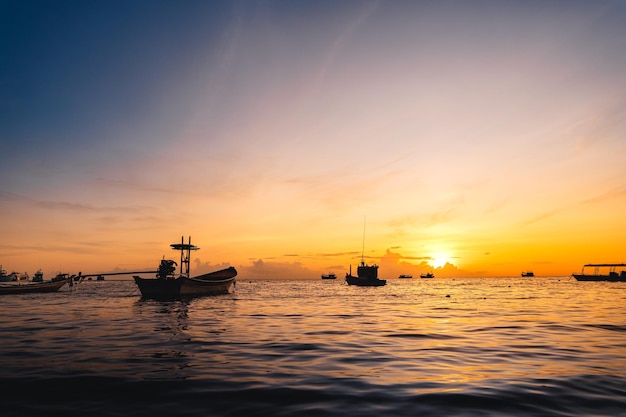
184,246
611,265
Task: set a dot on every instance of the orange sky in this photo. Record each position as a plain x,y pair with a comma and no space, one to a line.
476,141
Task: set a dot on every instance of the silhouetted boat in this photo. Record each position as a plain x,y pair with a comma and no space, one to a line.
33,287
4,277
610,275
528,274
367,276
167,285
427,275
405,276
62,276
330,275
38,277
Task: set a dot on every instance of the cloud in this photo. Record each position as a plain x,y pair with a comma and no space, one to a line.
393,264
201,267
612,194
335,254
260,269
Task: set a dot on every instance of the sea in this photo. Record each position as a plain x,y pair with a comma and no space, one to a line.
415,347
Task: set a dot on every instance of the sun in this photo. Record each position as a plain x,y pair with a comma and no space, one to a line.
439,260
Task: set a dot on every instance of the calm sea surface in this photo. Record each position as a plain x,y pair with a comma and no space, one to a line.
440,347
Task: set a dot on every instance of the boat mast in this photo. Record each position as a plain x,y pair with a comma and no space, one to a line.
363,248
185,254
186,260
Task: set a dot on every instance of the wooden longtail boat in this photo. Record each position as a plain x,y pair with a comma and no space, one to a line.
33,287
168,286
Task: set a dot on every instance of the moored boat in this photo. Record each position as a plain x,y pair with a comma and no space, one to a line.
38,277
62,276
603,272
32,287
367,276
167,285
4,277
427,275
330,275
405,276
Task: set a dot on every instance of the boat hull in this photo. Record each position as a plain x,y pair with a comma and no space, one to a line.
610,278
365,282
38,287
214,283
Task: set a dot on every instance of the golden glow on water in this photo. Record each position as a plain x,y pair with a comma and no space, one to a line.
496,337
458,332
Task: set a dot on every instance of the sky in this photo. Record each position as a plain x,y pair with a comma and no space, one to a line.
294,138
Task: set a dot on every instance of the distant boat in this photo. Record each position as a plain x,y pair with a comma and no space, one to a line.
528,274
61,276
33,287
330,275
427,275
603,272
38,277
367,276
4,277
405,276
168,286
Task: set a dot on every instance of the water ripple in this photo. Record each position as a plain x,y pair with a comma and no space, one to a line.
319,349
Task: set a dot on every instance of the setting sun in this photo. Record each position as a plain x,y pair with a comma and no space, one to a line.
439,260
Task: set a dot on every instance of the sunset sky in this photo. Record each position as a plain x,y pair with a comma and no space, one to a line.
472,138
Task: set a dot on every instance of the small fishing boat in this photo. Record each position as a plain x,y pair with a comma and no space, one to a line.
603,272
4,277
167,285
330,275
367,276
403,276
38,277
528,274
33,287
62,276
427,275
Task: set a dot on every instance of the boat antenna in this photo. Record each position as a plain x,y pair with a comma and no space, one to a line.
363,248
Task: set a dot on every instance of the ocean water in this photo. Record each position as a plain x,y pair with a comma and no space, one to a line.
439,347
